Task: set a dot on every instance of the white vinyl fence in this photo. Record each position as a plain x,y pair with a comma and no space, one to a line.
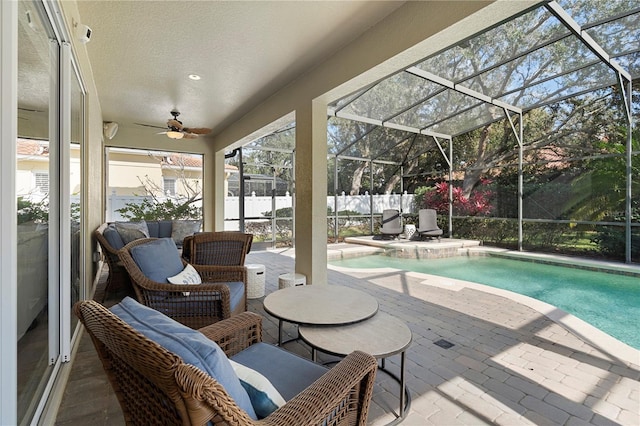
255,206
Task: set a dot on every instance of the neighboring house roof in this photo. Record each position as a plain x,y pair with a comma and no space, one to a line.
183,160
32,147
187,160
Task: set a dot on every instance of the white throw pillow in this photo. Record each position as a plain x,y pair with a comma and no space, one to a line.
189,275
264,397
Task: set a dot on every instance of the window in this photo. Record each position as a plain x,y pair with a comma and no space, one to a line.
140,179
169,186
42,182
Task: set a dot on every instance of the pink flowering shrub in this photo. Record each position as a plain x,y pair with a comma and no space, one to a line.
478,204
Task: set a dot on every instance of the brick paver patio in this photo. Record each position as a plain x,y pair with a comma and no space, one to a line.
509,364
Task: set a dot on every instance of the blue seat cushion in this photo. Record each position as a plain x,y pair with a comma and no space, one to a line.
190,345
158,259
196,301
289,373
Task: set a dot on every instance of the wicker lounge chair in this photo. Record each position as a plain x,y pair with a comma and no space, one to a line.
391,225
118,277
428,224
155,386
223,291
217,248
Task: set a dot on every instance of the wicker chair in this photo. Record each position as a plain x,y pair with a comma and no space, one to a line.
118,277
154,386
217,248
207,303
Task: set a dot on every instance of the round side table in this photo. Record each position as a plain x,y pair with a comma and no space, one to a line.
320,304
382,336
291,280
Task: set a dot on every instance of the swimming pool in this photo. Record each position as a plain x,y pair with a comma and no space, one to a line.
610,302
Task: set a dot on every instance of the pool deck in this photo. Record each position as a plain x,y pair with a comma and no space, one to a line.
513,362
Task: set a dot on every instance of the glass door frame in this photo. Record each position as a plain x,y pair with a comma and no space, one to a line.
8,210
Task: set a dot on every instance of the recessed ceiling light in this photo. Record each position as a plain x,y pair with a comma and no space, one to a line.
194,76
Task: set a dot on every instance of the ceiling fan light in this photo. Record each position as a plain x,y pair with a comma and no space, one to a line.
175,135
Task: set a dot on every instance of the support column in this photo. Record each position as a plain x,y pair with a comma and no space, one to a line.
519,135
310,191
628,90
213,191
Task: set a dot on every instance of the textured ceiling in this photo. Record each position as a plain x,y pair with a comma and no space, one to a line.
142,52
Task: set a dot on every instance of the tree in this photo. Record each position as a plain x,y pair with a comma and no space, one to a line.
437,197
32,211
165,206
490,64
388,148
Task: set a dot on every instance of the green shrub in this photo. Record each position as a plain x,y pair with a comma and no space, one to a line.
161,210
611,240
32,211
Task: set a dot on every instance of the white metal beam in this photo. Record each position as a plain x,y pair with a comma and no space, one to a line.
461,89
387,124
572,25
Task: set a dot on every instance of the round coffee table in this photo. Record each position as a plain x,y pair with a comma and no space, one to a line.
319,305
382,336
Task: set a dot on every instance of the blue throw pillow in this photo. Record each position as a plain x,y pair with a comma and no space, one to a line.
113,237
190,345
164,228
158,259
153,227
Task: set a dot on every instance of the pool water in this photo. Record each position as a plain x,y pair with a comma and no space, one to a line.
610,302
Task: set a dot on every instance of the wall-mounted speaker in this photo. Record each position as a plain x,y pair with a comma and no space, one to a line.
110,128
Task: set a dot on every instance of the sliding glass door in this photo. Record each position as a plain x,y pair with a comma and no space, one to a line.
35,188
48,190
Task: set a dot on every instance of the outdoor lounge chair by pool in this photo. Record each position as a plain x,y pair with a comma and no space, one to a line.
391,226
428,224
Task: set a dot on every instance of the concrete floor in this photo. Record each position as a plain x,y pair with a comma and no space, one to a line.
510,364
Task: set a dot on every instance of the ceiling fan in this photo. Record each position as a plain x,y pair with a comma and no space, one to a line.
175,129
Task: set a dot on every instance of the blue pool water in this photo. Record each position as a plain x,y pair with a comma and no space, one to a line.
610,302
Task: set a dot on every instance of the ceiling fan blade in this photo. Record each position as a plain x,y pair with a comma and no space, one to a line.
190,136
197,130
174,123
150,125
